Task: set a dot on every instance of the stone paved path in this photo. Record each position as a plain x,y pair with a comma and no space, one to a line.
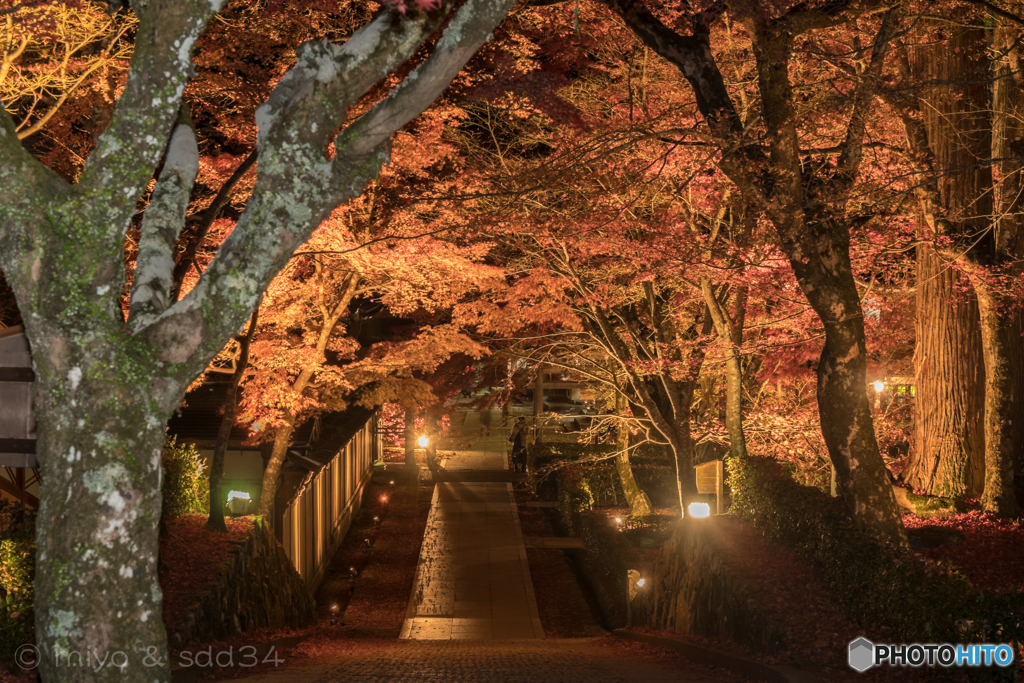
473,580
487,661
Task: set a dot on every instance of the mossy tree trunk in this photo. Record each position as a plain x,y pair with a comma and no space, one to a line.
639,503
107,381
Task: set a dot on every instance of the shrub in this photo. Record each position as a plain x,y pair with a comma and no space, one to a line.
186,487
879,587
17,572
608,554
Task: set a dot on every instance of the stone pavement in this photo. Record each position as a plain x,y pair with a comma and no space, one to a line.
473,580
487,661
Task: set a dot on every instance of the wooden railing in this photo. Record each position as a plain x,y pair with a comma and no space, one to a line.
316,520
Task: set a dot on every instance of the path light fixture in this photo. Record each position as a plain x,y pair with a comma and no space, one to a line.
334,615
699,510
376,522
391,483
366,546
384,499
423,441
879,385
238,502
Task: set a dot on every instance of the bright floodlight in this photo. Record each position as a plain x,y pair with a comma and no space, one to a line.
237,494
423,441
699,509
879,385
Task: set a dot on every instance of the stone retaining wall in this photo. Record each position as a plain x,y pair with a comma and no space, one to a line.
692,590
257,586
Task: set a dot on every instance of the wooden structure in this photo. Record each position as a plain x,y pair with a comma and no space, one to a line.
19,469
313,523
17,417
711,479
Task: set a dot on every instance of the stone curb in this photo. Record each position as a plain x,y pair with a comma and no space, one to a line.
702,655
183,674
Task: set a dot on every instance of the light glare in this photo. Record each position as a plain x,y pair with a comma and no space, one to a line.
699,510
423,441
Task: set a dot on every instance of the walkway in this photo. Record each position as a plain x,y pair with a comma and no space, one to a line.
523,661
473,580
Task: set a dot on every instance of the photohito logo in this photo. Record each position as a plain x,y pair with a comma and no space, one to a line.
863,654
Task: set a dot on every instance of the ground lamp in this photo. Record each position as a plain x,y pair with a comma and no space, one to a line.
376,522
699,510
334,615
238,502
366,546
423,442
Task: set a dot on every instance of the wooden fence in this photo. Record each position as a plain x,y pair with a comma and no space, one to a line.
316,520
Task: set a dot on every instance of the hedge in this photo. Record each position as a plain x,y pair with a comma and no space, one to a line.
907,597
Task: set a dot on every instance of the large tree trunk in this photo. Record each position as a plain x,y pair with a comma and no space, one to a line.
1000,408
216,519
96,570
947,458
1008,147
949,445
639,503
821,261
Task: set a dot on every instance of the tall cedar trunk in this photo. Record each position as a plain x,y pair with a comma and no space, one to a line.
948,454
1000,409
948,457
96,570
639,503
216,519
282,439
1008,146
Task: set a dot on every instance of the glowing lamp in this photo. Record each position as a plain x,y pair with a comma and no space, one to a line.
879,385
640,583
238,502
699,510
423,441
618,520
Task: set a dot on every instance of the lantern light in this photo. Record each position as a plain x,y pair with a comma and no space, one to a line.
423,441
699,510
640,583
879,385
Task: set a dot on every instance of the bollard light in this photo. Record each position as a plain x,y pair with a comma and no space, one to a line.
699,510
334,615
391,483
384,499
376,522
423,442
366,546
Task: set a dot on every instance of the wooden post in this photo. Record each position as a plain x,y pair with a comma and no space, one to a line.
538,404
720,487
